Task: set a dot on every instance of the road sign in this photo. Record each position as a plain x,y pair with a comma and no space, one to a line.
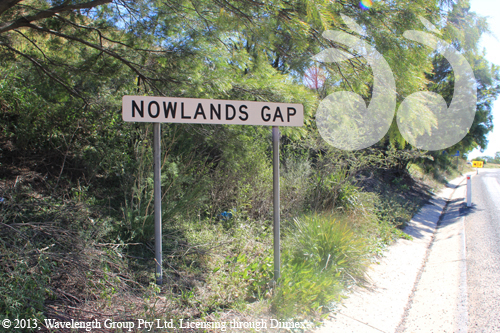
158,110
477,164
153,109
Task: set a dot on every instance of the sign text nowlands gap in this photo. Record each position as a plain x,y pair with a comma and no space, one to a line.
210,111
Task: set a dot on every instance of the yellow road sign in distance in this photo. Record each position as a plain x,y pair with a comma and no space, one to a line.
477,164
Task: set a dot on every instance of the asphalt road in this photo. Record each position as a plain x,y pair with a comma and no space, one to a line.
482,230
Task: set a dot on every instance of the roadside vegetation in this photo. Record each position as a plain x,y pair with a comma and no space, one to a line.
76,182
69,252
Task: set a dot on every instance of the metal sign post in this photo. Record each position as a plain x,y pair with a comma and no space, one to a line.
276,201
157,200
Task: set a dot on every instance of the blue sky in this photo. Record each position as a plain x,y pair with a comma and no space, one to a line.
490,9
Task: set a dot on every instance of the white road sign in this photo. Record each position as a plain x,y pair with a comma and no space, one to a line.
210,111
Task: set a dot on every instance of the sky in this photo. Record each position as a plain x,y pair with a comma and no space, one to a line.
491,10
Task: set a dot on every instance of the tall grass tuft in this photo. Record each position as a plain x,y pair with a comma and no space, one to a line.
324,254
330,245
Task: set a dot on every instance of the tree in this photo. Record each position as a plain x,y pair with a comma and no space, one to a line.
137,33
496,159
463,29
95,50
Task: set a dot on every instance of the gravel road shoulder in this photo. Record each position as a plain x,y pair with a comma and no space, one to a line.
384,306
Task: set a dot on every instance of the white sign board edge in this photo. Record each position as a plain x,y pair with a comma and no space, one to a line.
153,109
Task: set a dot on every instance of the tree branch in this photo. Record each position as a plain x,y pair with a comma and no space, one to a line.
101,36
7,4
133,66
92,45
26,20
35,45
45,70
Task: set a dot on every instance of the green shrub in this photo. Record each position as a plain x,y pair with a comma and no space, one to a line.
253,274
24,287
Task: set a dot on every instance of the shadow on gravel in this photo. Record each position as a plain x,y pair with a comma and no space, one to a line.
430,217
424,223
465,211
455,210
